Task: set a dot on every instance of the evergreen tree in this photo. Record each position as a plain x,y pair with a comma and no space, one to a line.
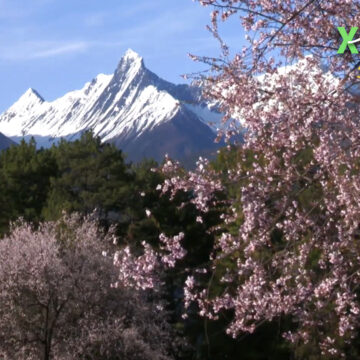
91,176
25,180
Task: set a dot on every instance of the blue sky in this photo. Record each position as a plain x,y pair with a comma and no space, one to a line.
55,46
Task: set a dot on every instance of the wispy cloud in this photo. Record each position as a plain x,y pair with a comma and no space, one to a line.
26,40
61,49
48,49
40,49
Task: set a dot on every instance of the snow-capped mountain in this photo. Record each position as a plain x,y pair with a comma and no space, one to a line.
141,113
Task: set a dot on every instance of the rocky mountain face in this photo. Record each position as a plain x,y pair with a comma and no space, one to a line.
141,113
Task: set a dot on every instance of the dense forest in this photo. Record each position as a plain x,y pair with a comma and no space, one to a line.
94,180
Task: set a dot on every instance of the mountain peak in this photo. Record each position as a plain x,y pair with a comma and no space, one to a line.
131,59
132,108
130,63
29,99
131,55
32,94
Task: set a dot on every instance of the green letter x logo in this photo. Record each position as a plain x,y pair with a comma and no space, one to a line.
346,39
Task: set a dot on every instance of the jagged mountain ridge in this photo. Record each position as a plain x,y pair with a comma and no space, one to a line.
141,113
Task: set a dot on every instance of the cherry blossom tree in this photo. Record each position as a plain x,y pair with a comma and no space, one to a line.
295,249
57,299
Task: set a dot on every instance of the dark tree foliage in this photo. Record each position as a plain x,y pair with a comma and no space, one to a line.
91,175
25,175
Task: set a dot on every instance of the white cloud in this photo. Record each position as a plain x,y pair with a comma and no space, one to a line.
47,49
61,49
41,49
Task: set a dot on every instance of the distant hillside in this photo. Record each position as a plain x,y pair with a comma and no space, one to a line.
5,142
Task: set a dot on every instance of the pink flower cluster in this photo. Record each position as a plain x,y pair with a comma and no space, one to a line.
296,251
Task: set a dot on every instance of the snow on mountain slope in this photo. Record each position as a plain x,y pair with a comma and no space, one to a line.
31,115
121,108
208,116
